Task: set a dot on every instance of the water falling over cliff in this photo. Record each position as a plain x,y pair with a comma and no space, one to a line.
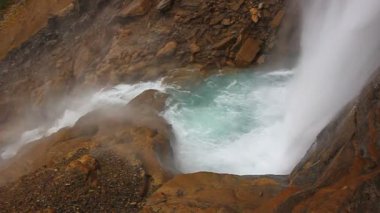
340,49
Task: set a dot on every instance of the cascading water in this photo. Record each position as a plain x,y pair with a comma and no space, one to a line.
262,122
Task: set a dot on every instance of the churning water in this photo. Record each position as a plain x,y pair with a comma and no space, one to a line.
227,123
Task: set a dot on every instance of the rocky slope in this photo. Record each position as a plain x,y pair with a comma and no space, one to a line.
119,158
89,44
105,162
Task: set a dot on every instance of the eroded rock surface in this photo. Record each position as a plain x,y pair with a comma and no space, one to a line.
110,160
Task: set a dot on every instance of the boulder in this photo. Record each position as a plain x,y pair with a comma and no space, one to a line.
194,48
167,50
255,14
136,8
277,19
247,52
150,98
84,164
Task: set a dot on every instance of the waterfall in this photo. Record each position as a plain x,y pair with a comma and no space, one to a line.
339,51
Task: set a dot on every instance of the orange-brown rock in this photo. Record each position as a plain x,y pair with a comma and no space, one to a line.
167,50
25,19
247,52
277,19
84,164
255,14
209,192
194,48
136,8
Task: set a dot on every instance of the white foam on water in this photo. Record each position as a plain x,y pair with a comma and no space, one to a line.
213,123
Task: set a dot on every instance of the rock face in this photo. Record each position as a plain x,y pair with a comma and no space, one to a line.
342,167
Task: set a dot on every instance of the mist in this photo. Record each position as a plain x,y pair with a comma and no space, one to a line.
76,107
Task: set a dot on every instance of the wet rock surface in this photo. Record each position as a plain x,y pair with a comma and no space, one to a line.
340,173
105,162
119,159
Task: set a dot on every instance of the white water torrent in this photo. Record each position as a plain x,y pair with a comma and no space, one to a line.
262,122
